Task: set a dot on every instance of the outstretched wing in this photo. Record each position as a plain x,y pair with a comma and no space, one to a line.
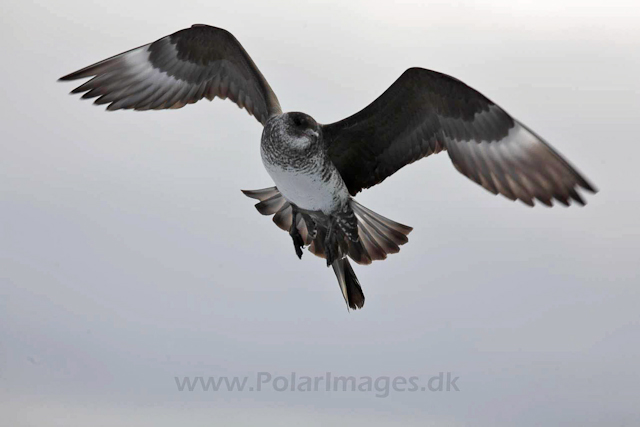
425,112
191,64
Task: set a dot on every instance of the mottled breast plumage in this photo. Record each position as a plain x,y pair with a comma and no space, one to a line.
295,157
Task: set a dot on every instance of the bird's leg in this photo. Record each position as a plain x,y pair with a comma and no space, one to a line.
329,250
312,229
342,229
298,243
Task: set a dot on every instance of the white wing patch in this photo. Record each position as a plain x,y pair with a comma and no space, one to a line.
519,166
157,76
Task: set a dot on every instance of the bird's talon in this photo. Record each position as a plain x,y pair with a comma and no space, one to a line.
298,250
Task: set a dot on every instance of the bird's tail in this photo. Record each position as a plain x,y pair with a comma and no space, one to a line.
380,236
349,284
377,237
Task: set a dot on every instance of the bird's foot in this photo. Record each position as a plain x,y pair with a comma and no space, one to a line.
331,250
312,228
298,242
330,254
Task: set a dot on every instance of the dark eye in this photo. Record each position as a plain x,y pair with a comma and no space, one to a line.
298,121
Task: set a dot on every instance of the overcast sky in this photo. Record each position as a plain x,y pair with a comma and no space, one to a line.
129,256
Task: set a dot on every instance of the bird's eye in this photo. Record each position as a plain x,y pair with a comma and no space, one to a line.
298,121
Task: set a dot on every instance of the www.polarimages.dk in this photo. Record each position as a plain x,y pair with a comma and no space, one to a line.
382,386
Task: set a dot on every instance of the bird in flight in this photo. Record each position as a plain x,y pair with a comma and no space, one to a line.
318,168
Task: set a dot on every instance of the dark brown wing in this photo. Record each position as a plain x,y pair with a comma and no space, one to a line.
425,112
191,64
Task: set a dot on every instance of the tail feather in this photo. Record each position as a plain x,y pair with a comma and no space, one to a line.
376,253
384,226
378,237
261,195
401,228
304,232
284,217
317,246
271,205
358,252
383,240
349,283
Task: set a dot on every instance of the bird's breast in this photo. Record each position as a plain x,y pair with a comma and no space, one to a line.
311,183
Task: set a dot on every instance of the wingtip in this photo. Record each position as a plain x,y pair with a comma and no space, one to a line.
589,187
69,77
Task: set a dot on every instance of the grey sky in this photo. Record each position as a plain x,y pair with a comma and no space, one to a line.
128,255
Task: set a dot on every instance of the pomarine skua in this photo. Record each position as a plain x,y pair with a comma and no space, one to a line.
318,168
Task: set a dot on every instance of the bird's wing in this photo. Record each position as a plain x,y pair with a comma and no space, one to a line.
191,64
425,112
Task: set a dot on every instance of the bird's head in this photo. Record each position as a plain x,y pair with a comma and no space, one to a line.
301,130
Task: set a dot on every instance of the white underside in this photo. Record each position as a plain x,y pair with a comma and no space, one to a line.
309,191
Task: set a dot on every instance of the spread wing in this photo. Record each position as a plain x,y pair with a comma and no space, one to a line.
191,64
425,112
